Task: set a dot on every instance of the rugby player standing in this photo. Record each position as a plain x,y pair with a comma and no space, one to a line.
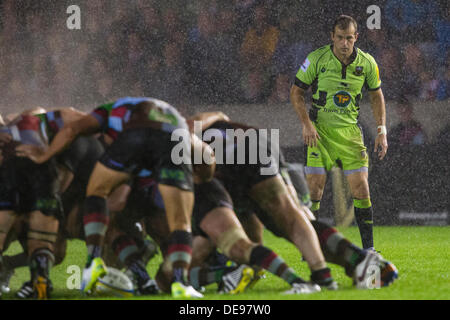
336,74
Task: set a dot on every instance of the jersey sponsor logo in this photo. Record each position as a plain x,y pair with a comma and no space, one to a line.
305,65
358,71
342,99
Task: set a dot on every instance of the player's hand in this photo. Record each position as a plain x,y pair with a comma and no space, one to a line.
381,146
34,153
4,138
310,135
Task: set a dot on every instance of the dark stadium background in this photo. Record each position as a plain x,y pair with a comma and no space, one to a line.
191,54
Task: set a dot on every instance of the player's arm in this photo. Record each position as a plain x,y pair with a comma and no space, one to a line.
373,83
207,119
309,132
379,113
69,114
85,125
303,80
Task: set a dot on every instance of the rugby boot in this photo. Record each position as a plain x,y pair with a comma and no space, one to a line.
182,291
97,269
303,288
238,280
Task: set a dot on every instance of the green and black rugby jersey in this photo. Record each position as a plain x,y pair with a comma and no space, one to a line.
337,87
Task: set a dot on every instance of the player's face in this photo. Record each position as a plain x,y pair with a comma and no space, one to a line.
344,40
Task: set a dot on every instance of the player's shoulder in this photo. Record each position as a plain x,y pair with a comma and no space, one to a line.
319,53
366,57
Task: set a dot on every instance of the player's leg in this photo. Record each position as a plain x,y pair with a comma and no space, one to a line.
41,238
316,184
294,177
341,251
252,225
96,219
178,204
293,223
200,273
359,186
224,229
355,163
7,218
317,163
126,241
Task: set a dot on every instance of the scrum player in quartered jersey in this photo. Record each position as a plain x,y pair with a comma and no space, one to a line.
142,132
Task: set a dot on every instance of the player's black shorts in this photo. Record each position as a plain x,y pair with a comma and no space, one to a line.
80,158
239,179
244,205
146,148
26,186
208,196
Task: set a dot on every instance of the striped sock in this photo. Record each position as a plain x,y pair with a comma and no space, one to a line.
336,248
95,221
267,259
199,276
125,248
179,254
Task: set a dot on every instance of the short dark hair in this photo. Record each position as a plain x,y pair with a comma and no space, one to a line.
343,22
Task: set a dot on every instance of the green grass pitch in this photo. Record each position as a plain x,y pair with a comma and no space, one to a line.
421,254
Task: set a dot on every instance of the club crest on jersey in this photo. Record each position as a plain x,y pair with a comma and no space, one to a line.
342,99
358,71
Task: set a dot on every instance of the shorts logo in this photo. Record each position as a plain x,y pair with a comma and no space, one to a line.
177,175
314,155
342,99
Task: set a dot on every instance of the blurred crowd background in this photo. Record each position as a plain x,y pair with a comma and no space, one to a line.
207,52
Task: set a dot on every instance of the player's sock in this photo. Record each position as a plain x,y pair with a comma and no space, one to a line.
41,261
95,220
125,248
336,248
364,219
267,259
179,254
199,276
322,277
315,206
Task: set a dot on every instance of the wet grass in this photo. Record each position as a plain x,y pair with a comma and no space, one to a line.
421,254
